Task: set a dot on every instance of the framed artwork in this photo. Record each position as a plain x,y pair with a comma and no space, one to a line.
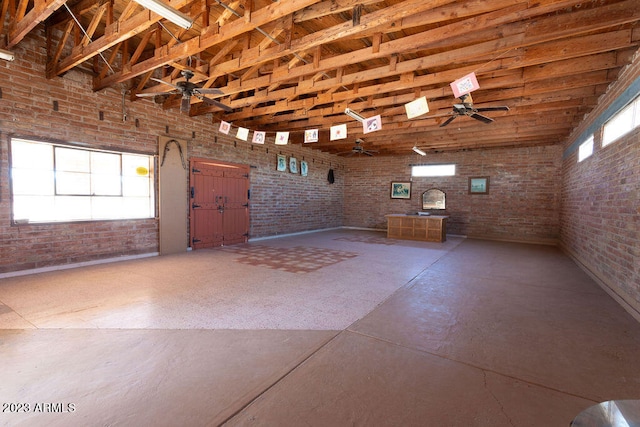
293,165
400,190
479,185
282,163
304,168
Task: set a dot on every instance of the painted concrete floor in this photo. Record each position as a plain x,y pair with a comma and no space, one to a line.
335,328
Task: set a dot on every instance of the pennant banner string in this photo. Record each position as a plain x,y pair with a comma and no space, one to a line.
494,59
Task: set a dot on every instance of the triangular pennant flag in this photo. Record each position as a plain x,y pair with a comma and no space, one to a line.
417,108
338,132
465,85
311,135
243,134
225,127
258,137
372,124
282,138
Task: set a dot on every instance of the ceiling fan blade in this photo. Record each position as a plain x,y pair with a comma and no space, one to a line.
502,108
151,94
208,91
166,83
215,103
367,153
185,104
480,117
449,120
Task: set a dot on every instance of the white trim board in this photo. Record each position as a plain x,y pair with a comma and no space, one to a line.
75,265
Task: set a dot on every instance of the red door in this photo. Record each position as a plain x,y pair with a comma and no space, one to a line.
219,203
235,220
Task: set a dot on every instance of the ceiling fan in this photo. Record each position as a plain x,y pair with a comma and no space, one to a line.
466,108
358,149
188,89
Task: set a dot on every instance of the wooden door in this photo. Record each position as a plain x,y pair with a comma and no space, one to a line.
219,204
235,221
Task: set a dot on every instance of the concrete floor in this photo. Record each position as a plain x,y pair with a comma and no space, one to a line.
335,328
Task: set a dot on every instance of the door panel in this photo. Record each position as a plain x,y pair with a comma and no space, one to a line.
236,207
206,223
208,232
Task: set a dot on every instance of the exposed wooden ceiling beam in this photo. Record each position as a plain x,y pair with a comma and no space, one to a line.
195,45
448,57
115,33
328,7
293,65
24,23
573,48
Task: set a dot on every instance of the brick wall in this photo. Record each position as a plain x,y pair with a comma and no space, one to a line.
531,189
601,204
522,204
280,203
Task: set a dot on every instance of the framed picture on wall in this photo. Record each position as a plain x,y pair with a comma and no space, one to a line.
479,185
293,165
304,168
282,163
400,190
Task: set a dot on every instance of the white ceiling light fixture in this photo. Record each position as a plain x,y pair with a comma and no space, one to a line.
167,12
419,151
6,55
349,112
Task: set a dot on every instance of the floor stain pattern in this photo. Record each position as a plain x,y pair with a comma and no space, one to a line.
299,259
374,240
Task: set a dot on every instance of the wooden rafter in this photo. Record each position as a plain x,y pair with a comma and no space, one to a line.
580,47
292,64
114,34
233,29
23,22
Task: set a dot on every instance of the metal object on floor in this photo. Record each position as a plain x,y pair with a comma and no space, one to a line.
612,413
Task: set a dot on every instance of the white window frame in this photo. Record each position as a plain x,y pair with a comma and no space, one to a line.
616,127
435,170
585,150
125,191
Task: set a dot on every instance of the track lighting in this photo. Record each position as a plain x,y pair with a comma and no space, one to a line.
419,151
349,112
6,55
167,12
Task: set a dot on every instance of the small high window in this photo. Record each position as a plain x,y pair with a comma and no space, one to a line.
622,122
585,149
433,170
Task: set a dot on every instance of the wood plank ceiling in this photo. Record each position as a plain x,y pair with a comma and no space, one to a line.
291,65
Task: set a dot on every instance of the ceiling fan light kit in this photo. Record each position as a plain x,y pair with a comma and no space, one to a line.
6,55
349,112
167,12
